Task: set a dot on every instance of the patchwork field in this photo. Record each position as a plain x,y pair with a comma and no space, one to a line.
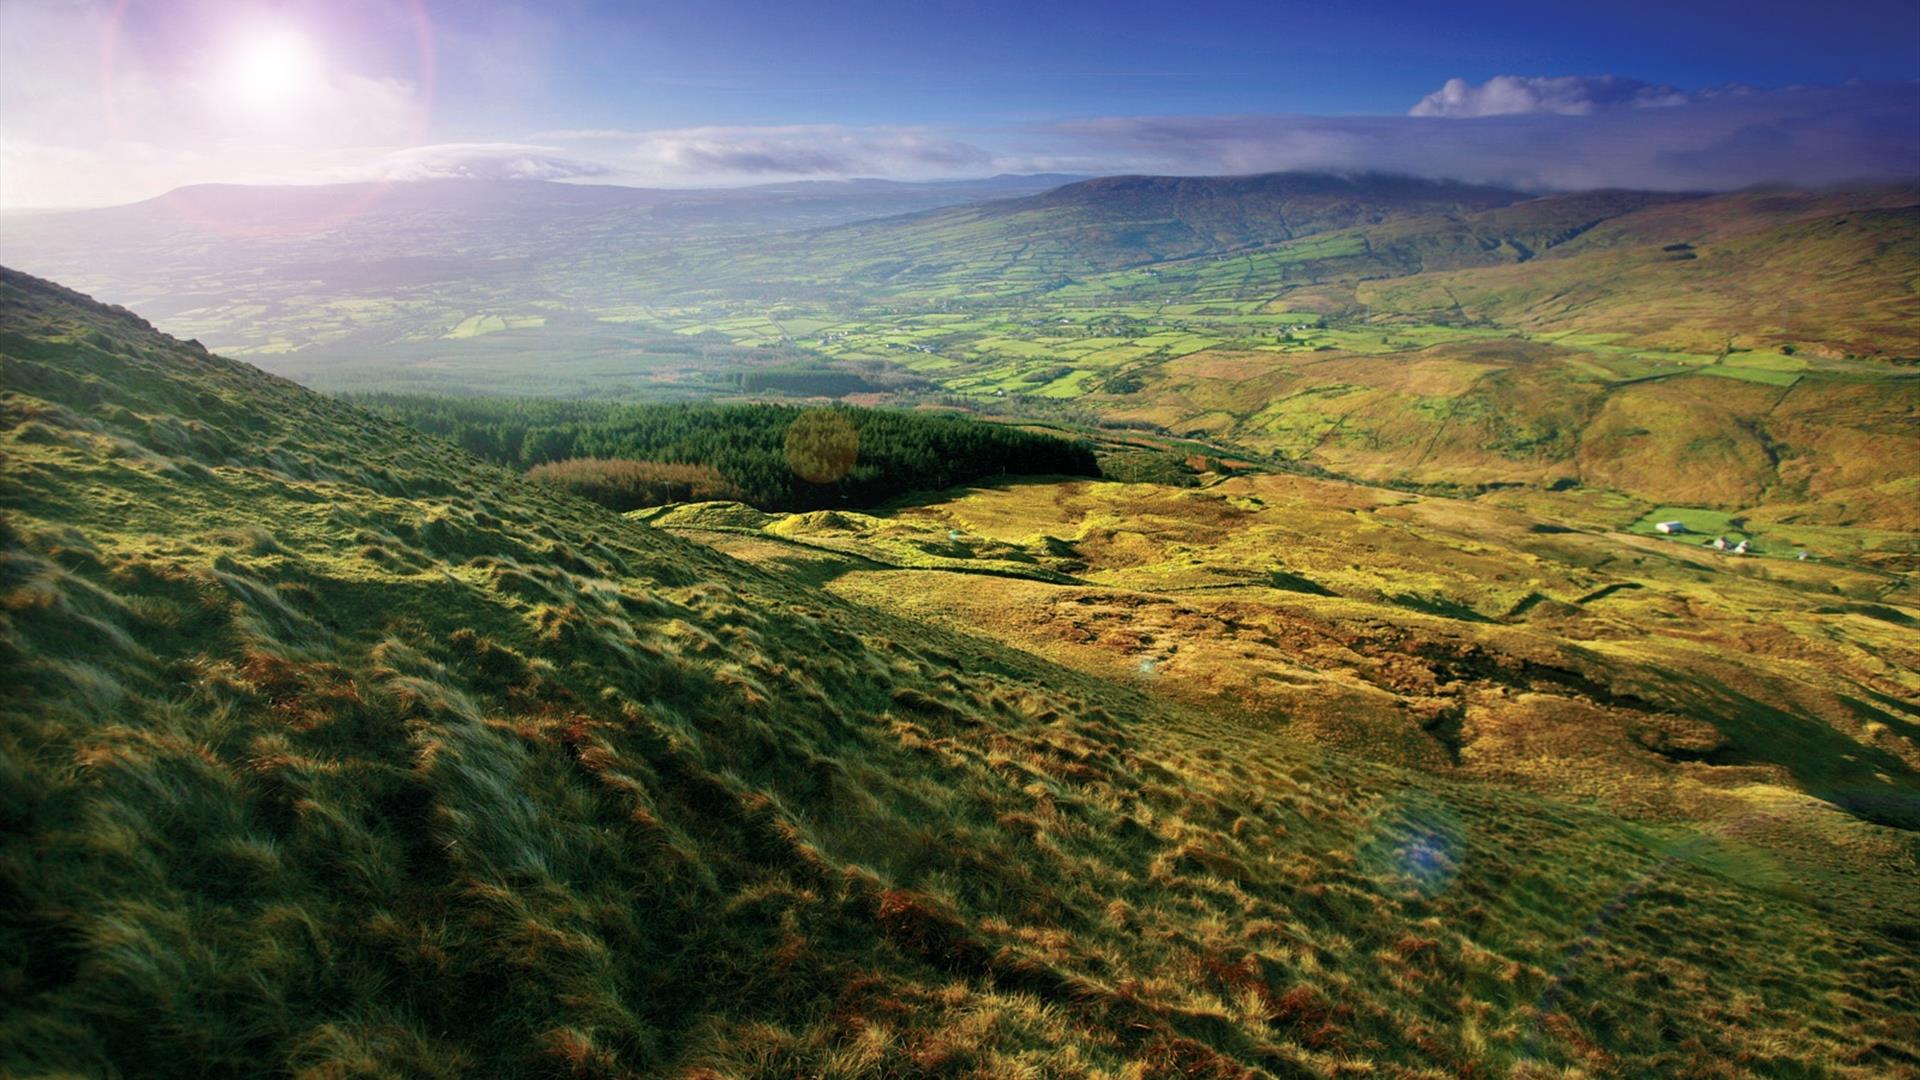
1439,405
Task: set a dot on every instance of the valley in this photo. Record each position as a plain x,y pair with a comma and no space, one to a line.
1750,353
1142,628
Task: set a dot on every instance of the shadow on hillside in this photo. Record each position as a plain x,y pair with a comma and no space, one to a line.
820,572
1827,764
1009,482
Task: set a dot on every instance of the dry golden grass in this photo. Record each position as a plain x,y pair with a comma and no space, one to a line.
1659,680
333,752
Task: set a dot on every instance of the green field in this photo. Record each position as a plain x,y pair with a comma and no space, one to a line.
1702,525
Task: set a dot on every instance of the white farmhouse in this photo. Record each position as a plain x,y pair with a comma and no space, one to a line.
1671,528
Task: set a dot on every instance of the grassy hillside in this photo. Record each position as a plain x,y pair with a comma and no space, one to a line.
1119,221
336,752
1829,274
1446,634
1397,330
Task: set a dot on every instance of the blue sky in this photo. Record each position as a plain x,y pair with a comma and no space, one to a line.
677,64
112,100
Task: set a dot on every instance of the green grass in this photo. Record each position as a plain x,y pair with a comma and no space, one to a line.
1701,523
333,751
1752,374
1523,406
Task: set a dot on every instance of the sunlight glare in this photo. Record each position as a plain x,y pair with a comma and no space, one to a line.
270,74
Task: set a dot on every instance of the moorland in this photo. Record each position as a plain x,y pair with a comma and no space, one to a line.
1132,627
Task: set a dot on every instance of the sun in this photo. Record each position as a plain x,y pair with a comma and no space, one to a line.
270,74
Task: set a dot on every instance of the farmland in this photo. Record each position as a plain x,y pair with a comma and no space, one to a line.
1407,402
1587,347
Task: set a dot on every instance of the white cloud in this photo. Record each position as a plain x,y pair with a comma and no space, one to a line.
734,154
589,135
1563,95
482,161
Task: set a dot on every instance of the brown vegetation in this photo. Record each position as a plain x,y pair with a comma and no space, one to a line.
622,484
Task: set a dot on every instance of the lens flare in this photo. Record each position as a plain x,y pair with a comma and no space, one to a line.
822,446
1414,850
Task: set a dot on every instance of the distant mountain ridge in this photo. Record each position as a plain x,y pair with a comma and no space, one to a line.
378,270
481,190
141,252
1116,221
1320,227
1382,192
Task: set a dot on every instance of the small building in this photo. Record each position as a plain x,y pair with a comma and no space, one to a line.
1740,548
1801,555
1719,543
1671,528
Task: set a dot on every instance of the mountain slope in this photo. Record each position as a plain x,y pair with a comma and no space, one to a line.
271,245
1120,221
1212,213
1839,279
335,752
462,278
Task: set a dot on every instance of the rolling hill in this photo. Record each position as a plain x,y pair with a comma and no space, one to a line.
286,247
1747,353
1119,221
1737,351
1299,229
422,274
334,752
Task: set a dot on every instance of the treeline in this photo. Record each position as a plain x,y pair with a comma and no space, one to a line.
805,382
756,448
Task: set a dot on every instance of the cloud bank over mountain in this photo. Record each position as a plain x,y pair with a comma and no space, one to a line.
787,151
480,161
1535,133
1549,134
1565,95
